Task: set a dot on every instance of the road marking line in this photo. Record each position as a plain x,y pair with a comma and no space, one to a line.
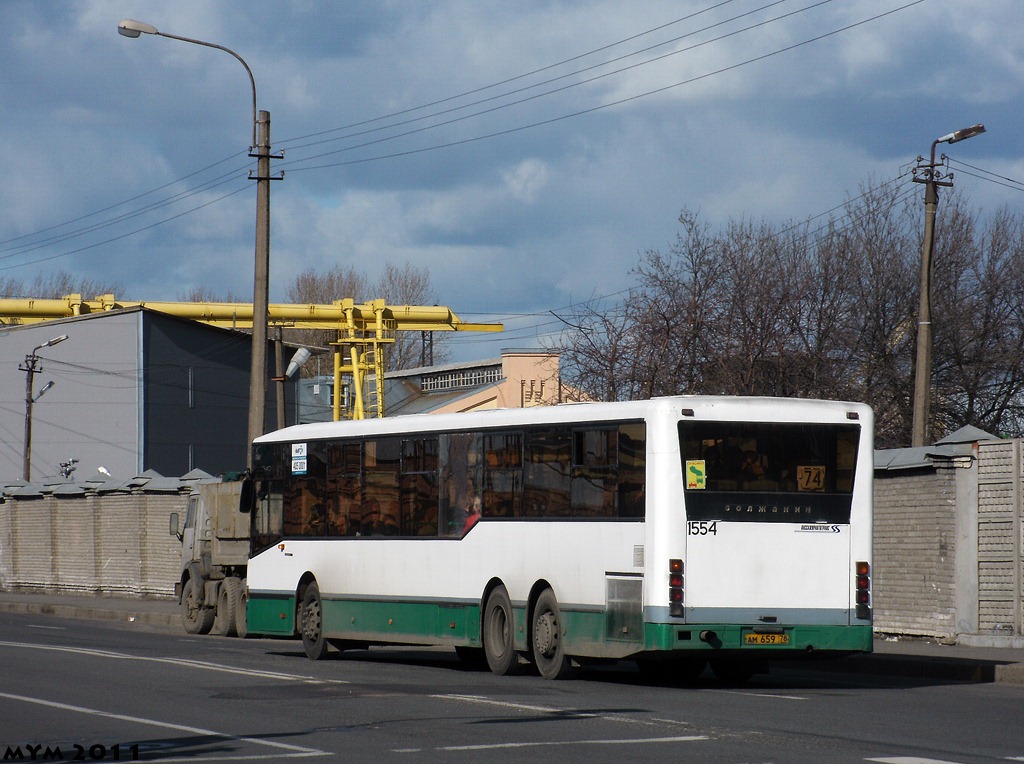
296,750
772,695
630,741
177,662
479,699
911,760
565,713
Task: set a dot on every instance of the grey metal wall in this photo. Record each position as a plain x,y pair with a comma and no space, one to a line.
91,412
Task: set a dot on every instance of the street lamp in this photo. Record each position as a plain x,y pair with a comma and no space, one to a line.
260,149
923,367
297,361
31,367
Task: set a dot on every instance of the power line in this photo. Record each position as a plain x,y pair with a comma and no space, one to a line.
549,81
989,176
499,133
508,80
599,107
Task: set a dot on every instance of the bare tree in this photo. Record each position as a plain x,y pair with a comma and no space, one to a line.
409,285
758,309
60,283
205,293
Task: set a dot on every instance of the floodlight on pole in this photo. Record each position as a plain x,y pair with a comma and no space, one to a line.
923,365
260,149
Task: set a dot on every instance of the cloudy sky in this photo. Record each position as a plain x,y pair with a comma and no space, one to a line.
523,152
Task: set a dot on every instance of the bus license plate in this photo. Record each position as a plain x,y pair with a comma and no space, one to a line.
766,639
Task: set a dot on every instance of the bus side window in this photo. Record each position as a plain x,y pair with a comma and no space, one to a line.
547,485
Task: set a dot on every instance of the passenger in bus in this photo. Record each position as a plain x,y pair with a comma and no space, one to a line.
472,514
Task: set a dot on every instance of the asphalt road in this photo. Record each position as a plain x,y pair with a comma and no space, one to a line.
108,692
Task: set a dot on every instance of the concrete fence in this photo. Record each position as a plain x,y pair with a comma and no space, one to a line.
113,543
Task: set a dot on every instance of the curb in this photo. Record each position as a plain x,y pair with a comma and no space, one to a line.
969,670
164,620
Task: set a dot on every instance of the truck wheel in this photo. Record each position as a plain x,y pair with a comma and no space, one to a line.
311,623
228,599
241,612
196,618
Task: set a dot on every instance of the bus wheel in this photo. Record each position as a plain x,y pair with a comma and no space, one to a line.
311,623
196,618
498,629
548,649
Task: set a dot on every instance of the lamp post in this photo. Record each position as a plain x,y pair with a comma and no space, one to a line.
923,366
31,367
260,149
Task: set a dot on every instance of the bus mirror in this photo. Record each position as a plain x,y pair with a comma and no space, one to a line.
246,496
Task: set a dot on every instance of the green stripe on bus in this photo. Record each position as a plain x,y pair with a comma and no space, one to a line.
392,621
665,636
270,615
586,632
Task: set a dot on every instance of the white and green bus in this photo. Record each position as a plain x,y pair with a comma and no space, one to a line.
673,532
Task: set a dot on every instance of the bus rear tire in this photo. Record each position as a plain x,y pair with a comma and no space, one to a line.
499,623
311,624
196,618
546,637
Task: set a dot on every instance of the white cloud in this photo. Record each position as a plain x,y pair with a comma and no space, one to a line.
524,221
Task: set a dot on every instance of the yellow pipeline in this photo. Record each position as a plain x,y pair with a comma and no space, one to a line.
340,314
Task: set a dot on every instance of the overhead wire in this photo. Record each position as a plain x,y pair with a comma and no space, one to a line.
219,162
578,113
589,110
554,79
987,175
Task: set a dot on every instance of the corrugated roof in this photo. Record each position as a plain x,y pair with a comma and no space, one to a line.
149,482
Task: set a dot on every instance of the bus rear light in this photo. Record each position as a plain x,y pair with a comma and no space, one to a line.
675,588
862,582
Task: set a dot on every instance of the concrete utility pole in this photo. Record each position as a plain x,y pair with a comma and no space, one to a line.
260,150
923,367
31,367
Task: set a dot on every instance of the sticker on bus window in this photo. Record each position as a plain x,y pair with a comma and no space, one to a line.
810,477
696,476
298,458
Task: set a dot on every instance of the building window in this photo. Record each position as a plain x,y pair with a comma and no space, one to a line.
454,380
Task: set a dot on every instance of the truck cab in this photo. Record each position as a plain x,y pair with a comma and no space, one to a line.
214,554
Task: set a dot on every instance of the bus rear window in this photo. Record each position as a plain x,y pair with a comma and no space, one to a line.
768,471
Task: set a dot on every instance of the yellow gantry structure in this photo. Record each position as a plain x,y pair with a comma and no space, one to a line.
363,330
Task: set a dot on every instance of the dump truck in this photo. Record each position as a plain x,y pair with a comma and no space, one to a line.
214,553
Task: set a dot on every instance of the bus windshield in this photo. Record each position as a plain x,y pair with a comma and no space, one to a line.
763,472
